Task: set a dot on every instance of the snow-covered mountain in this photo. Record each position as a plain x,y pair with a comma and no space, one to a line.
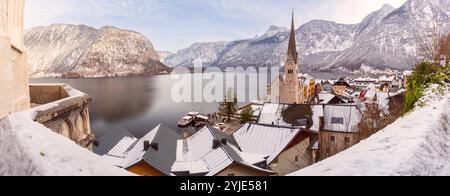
82,51
387,38
164,54
206,52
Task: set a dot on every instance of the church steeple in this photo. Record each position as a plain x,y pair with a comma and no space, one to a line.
292,48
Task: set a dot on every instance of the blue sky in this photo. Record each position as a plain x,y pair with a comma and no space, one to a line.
176,24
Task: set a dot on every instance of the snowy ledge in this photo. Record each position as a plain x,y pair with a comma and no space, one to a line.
415,145
29,148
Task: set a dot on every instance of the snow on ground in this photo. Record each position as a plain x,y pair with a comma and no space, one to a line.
417,144
28,148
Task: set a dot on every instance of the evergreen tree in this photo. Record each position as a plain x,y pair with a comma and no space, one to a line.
229,105
246,114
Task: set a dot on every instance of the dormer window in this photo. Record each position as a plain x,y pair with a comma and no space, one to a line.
337,121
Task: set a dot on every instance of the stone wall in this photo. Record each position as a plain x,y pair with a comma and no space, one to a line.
14,91
64,113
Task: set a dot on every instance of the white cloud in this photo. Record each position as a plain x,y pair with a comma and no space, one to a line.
165,21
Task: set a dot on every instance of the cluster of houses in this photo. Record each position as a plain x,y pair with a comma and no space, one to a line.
253,150
301,122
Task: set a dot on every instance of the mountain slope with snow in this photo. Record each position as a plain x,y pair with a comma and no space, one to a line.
388,38
207,52
82,51
415,145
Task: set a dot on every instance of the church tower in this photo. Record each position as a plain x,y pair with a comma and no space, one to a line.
291,91
291,66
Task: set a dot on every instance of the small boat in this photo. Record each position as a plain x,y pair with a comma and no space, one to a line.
195,119
185,121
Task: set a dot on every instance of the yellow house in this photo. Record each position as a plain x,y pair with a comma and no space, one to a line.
309,89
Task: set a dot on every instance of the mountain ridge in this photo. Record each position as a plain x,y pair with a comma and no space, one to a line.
388,38
65,50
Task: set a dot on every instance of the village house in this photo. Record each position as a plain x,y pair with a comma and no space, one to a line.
289,88
152,155
330,99
284,149
309,86
59,107
341,86
338,129
364,82
333,128
253,150
327,86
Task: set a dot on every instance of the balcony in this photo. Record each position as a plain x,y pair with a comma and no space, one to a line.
64,110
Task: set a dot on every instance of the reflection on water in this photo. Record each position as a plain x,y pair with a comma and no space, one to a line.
138,103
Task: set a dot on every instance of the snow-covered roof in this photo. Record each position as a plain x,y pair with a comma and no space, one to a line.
115,143
271,114
305,76
382,98
341,118
387,78
196,155
407,73
255,108
414,145
268,141
284,115
126,152
362,79
30,149
326,97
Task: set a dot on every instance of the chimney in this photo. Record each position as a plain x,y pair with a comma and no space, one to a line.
146,145
216,144
155,146
224,141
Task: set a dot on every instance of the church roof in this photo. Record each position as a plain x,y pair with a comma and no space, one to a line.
292,47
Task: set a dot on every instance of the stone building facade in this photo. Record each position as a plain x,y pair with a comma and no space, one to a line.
14,88
59,107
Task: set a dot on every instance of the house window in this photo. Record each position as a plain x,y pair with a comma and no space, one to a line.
328,151
296,159
290,71
347,140
332,138
335,120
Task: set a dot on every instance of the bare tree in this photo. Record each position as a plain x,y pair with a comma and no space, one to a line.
444,49
429,41
375,118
